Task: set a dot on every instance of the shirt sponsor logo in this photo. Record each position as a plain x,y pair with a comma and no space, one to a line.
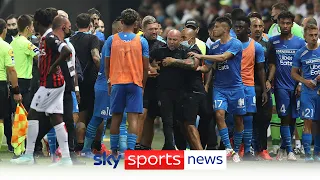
276,42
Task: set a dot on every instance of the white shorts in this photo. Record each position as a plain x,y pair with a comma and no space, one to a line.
49,101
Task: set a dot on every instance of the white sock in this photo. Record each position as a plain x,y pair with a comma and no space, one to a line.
62,138
33,130
298,144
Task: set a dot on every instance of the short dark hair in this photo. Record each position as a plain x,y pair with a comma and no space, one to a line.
225,20
24,21
211,25
237,13
280,6
12,16
117,19
93,11
228,15
83,20
245,19
286,15
129,16
255,15
3,25
45,16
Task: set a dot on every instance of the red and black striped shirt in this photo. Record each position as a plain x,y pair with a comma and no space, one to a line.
50,48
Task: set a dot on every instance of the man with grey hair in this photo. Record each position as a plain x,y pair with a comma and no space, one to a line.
150,101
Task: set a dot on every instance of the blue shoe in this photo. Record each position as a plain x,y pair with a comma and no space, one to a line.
25,159
309,159
316,158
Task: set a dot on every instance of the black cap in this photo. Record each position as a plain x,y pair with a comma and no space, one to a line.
191,23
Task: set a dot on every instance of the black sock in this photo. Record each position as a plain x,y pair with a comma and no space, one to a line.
79,147
96,145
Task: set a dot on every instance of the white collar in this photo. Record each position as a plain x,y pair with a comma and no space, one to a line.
47,32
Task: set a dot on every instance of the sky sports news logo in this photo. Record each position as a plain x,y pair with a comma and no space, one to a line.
167,160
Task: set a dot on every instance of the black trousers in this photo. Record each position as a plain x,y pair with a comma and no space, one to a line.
261,121
45,126
170,110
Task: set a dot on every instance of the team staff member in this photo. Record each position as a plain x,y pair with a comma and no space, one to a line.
150,101
170,85
191,23
126,69
194,99
87,48
6,65
262,118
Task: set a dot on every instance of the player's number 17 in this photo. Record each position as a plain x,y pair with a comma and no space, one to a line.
217,103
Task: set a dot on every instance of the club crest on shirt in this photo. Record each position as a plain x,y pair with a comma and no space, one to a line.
11,55
30,46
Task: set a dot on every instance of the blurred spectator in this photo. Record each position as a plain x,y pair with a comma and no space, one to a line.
310,9
160,30
298,19
173,14
300,7
267,21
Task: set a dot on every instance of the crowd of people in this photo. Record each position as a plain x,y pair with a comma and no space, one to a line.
73,82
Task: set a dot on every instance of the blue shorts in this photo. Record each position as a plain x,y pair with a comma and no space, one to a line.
126,96
287,103
101,104
250,94
75,102
230,100
310,106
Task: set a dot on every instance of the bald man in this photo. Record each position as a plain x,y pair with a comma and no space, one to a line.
49,97
205,125
117,26
194,96
170,85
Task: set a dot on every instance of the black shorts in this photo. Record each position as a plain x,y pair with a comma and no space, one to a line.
151,102
4,100
194,104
